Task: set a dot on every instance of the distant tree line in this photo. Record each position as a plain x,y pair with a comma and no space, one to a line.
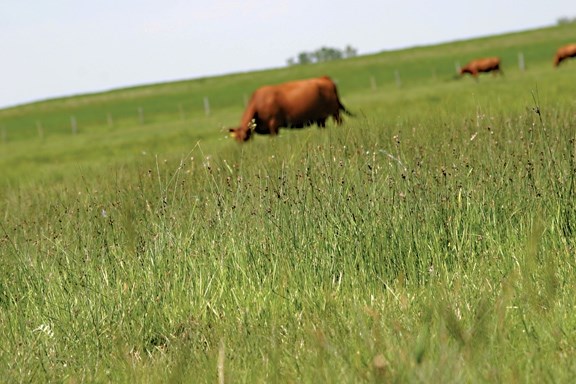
566,20
322,55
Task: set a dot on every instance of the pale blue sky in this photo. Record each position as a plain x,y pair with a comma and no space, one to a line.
65,47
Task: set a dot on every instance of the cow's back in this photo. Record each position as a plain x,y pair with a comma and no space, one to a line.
298,102
489,63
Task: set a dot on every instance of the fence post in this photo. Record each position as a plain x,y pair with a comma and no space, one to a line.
73,124
521,62
110,120
398,79
458,67
141,115
40,129
4,134
206,106
373,84
181,111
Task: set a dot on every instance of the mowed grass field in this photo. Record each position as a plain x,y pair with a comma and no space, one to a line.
428,239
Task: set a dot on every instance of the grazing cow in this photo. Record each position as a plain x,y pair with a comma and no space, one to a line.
295,104
564,53
489,64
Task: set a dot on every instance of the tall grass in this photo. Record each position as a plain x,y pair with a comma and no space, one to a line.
429,239
358,253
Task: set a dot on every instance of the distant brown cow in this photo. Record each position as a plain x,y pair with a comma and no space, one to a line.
294,104
564,53
489,64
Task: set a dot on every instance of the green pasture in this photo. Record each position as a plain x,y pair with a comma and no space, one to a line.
430,238
116,126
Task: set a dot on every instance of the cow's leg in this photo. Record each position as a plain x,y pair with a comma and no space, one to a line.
337,118
273,126
321,123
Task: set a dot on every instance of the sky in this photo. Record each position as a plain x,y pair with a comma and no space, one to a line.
57,48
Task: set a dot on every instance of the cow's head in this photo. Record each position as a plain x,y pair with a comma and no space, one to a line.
241,135
557,60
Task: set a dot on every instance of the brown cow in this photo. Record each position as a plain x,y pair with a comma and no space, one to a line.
564,53
489,64
295,104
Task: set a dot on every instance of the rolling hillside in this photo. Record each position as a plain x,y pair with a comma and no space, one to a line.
431,238
170,118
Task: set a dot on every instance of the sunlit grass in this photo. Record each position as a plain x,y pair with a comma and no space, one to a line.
428,239
337,257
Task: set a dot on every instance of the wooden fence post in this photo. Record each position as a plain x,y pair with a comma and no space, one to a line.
141,115
206,106
521,62
40,129
373,84
398,79
110,120
73,124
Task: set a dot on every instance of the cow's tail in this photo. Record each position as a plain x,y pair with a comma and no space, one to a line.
342,108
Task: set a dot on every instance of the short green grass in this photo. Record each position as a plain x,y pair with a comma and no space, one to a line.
428,239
